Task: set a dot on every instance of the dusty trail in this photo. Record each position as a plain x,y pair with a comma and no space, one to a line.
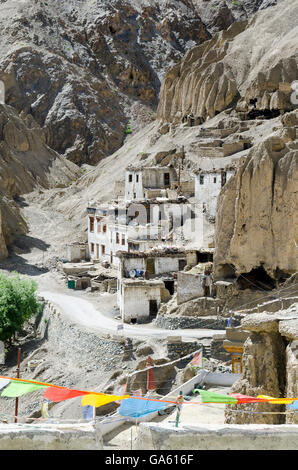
83,312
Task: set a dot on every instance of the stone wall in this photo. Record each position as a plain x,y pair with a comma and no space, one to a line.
50,437
159,436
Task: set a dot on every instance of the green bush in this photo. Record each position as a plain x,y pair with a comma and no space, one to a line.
18,302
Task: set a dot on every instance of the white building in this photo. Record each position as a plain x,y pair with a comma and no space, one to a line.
133,227
139,300
208,184
148,182
145,280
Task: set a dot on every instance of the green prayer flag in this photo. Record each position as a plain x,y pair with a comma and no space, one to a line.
17,389
210,397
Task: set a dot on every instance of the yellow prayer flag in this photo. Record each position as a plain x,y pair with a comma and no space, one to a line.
277,401
100,400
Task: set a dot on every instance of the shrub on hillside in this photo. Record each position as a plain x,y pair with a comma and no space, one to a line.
18,302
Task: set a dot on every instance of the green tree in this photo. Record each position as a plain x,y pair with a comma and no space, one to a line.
18,302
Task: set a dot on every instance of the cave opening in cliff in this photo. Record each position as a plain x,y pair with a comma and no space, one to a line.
257,278
263,113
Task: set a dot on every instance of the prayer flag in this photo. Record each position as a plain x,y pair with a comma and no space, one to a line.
247,399
293,406
150,375
45,410
196,360
61,394
276,401
137,408
210,397
17,389
100,400
3,383
88,412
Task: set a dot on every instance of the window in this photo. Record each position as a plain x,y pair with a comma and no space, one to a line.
92,247
134,195
91,219
137,178
223,178
130,178
117,238
166,179
214,179
104,228
201,179
123,239
103,249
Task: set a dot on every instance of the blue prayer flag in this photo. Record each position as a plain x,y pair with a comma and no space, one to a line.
137,408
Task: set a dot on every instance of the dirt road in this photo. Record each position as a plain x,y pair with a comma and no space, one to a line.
85,313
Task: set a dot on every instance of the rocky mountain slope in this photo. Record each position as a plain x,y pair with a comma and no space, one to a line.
80,67
26,163
250,66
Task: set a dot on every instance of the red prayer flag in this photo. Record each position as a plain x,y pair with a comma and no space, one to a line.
150,375
196,360
246,399
61,394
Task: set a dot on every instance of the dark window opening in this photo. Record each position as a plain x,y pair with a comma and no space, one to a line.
182,264
150,265
214,180
137,178
166,179
153,308
170,286
223,178
256,279
201,179
204,257
129,178
133,321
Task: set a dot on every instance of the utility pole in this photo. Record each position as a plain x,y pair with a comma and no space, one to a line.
18,376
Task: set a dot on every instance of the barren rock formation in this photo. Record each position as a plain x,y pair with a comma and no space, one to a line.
78,68
250,66
257,222
269,366
26,162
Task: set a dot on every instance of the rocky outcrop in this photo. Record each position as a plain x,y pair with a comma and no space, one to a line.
256,225
269,366
25,163
220,14
240,67
78,68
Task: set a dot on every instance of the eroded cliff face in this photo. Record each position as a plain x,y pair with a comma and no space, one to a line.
26,162
78,67
269,367
256,225
249,67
